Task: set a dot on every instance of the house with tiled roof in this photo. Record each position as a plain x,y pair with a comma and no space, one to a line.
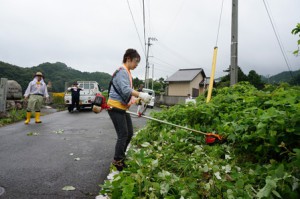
186,81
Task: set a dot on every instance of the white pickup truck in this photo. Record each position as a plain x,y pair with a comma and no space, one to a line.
87,94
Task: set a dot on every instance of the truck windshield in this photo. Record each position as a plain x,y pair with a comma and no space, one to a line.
86,86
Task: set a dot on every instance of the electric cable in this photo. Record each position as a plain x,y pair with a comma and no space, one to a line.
144,24
174,19
150,31
278,39
162,66
170,65
219,23
167,64
136,28
177,54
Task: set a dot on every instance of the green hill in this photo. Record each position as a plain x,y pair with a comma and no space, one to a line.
58,73
281,77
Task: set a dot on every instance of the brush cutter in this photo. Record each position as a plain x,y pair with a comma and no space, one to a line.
210,138
100,104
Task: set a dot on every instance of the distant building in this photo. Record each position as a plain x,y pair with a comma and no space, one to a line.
205,83
186,81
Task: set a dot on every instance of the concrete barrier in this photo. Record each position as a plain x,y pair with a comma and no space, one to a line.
3,93
169,100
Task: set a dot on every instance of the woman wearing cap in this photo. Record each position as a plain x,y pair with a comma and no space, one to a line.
121,97
35,93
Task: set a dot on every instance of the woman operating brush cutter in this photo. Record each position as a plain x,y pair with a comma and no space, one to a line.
121,97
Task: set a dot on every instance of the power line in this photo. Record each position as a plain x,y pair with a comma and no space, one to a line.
177,54
166,63
219,23
136,28
160,69
150,31
278,39
174,19
144,24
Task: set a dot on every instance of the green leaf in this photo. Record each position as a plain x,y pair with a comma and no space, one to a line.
32,134
273,133
128,191
68,188
276,194
230,194
280,171
240,184
164,188
217,174
295,184
145,144
268,188
259,148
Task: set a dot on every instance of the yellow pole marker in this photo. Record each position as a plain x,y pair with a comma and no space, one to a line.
212,76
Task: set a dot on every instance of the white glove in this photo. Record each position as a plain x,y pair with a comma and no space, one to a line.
145,97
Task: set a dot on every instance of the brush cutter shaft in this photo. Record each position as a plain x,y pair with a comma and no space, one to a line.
161,121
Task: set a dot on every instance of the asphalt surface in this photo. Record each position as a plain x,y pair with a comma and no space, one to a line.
38,160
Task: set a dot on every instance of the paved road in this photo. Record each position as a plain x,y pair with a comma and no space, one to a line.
39,166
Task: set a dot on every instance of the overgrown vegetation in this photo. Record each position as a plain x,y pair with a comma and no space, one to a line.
260,159
254,79
13,115
58,101
296,31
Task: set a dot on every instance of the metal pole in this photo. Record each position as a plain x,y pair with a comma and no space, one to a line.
147,62
147,65
164,122
234,44
152,75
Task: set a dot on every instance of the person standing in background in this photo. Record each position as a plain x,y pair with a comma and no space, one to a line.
75,90
139,102
35,94
121,97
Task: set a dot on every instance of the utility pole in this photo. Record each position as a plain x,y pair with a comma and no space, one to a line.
147,62
152,75
234,44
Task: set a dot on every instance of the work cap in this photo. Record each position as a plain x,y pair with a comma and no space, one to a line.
75,83
39,74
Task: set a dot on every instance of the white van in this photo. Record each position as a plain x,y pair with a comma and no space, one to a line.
152,93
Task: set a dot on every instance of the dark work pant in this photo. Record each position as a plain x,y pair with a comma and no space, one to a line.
75,103
123,125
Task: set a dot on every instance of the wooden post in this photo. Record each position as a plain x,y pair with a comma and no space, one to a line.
3,94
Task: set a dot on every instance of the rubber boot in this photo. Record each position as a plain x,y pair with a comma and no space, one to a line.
118,164
28,115
37,117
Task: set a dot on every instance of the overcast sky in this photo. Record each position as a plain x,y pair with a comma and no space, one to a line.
92,35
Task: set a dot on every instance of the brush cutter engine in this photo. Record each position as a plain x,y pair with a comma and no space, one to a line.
211,138
99,103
